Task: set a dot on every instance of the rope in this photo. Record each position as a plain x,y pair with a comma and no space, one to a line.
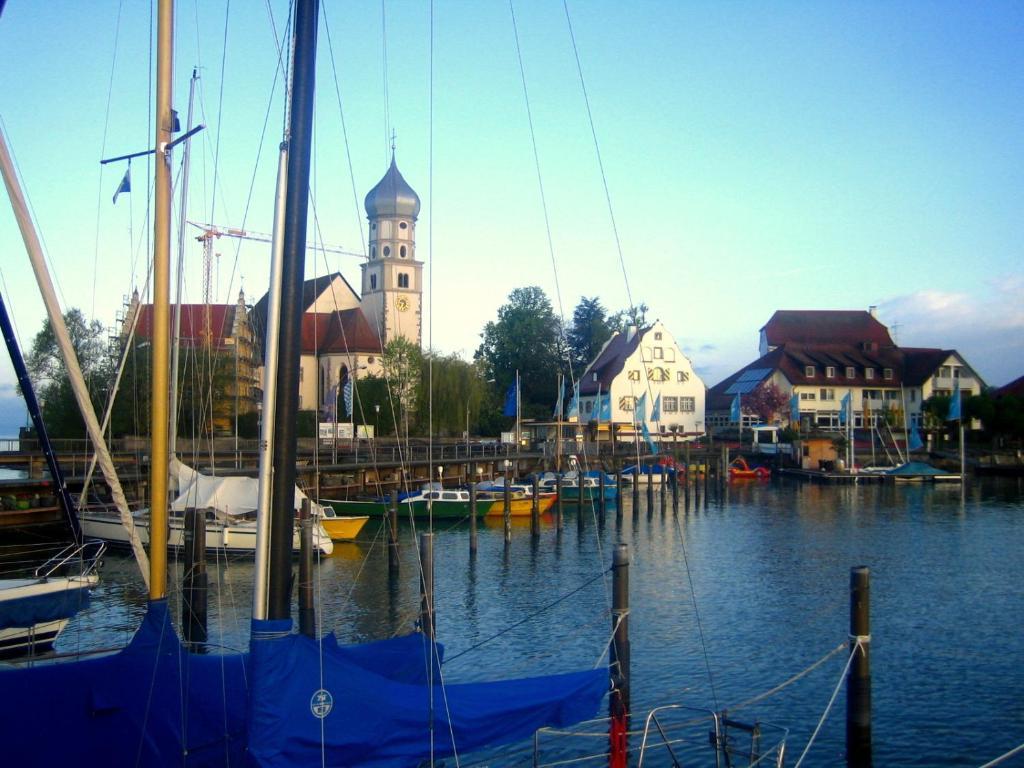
527,618
831,701
611,637
784,684
1002,758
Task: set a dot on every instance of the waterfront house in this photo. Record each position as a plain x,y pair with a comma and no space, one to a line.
821,356
643,362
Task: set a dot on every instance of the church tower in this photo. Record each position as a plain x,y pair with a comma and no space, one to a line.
392,289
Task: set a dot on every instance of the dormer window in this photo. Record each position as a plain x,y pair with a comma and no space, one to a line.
594,375
869,373
887,374
830,371
809,371
851,372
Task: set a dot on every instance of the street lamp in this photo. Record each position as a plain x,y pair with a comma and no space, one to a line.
376,419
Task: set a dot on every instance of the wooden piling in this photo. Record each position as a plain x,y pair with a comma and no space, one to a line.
662,492
618,494
649,474
558,504
472,519
636,492
427,619
195,588
507,498
618,659
535,508
582,494
600,487
394,553
858,683
307,611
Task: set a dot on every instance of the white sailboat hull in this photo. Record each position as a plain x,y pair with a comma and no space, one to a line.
17,641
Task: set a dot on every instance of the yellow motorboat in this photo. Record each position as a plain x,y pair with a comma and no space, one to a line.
341,528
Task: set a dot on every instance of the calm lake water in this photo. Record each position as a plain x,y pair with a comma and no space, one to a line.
727,601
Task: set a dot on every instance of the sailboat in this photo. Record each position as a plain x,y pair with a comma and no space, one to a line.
292,700
36,605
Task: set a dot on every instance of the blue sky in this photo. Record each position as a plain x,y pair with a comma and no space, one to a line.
793,156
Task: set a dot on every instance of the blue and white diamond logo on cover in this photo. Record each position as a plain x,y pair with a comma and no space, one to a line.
321,704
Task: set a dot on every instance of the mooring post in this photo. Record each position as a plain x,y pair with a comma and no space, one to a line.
427,618
618,660
858,684
636,491
663,491
600,487
675,489
535,508
582,497
393,549
649,474
472,520
507,497
307,612
618,494
194,589
560,493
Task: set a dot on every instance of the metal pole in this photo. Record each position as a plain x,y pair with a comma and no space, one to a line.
636,490
535,508
618,659
427,618
307,611
195,587
858,684
582,495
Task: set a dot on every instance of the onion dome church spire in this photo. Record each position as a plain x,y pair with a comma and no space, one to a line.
392,286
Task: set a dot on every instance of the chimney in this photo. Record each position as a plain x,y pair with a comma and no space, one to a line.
630,333
872,310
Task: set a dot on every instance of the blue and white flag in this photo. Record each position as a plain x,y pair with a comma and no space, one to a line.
794,407
126,183
641,408
914,442
605,407
647,438
735,411
656,410
510,400
844,409
574,404
331,404
954,404
348,398
560,404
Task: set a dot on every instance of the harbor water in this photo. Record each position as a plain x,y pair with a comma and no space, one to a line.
729,598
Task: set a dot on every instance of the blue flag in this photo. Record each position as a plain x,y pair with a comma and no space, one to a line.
641,408
605,407
656,410
560,404
574,404
844,408
914,442
126,183
331,404
794,407
348,398
647,438
735,412
510,400
954,404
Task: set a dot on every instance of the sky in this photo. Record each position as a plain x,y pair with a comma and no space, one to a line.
752,157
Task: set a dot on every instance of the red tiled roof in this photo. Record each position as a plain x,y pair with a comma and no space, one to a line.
193,323
1015,388
854,327
339,332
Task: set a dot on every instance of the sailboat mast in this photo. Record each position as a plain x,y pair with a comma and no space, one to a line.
300,128
158,469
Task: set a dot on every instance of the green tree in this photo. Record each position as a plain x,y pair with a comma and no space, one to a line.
49,375
590,330
525,338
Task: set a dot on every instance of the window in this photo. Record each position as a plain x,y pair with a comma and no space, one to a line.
808,396
626,403
851,372
402,225
670,354
892,394
373,282
687,404
956,372
401,251
887,374
373,227
633,375
944,371
809,371
387,251
670,404
403,280
369,360
589,406
646,354
659,353
869,373
827,394
682,376
657,373
657,335
830,371
373,251
913,395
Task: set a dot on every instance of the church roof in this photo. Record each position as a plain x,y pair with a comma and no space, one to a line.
392,196
342,332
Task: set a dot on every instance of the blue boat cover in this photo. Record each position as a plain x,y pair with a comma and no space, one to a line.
287,703
27,611
151,704
313,703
